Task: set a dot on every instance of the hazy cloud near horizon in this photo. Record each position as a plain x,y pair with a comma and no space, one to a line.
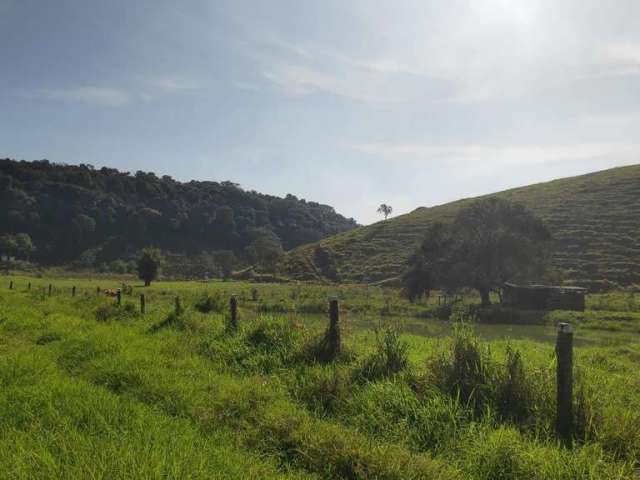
348,103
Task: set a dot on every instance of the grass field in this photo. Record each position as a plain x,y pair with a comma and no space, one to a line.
92,390
593,219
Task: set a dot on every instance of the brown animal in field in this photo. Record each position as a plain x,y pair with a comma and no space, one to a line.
112,292
297,326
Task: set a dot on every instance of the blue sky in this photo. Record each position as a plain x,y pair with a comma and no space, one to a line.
350,103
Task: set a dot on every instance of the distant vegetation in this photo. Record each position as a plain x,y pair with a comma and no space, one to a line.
102,218
490,242
593,218
385,210
149,265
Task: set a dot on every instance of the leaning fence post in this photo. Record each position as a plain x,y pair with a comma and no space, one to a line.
333,334
233,307
50,287
142,304
564,355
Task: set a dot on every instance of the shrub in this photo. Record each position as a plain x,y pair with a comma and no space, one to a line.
179,319
48,338
321,388
389,358
467,372
514,392
390,410
477,379
111,311
277,337
209,303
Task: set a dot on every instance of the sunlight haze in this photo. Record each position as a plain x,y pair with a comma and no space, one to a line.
352,104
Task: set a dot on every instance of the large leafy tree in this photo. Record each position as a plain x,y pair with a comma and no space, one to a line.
149,265
490,242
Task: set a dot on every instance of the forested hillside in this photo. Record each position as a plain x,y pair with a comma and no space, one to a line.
58,214
594,219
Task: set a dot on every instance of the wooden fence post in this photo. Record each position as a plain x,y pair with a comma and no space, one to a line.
233,307
564,355
333,334
29,286
118,297
50,288
142,304
98,291
73,291
11,285
178,308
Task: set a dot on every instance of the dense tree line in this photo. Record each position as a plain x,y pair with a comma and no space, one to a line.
95,216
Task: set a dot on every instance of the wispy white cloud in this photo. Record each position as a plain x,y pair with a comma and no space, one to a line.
100,96
501,154
146,88
248,86
478,52
273,41
626,52
172,84
299,80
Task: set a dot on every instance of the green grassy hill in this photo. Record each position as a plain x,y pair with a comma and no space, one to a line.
595,220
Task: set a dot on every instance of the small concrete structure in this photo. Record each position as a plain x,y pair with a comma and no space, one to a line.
543,297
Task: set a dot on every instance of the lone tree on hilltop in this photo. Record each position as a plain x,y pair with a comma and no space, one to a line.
385,210
149,265
490,242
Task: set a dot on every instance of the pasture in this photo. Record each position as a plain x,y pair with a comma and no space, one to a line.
90,389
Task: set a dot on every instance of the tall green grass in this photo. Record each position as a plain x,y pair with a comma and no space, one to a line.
84,395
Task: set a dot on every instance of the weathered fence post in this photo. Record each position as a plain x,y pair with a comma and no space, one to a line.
118,297
564,355
50,288
178,308
11,285
73,291
333,334
233,307
29,286
142,304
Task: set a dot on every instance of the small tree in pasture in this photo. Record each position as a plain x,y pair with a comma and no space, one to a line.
149,265
19,245
226,260
490,242
385,210
268,249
